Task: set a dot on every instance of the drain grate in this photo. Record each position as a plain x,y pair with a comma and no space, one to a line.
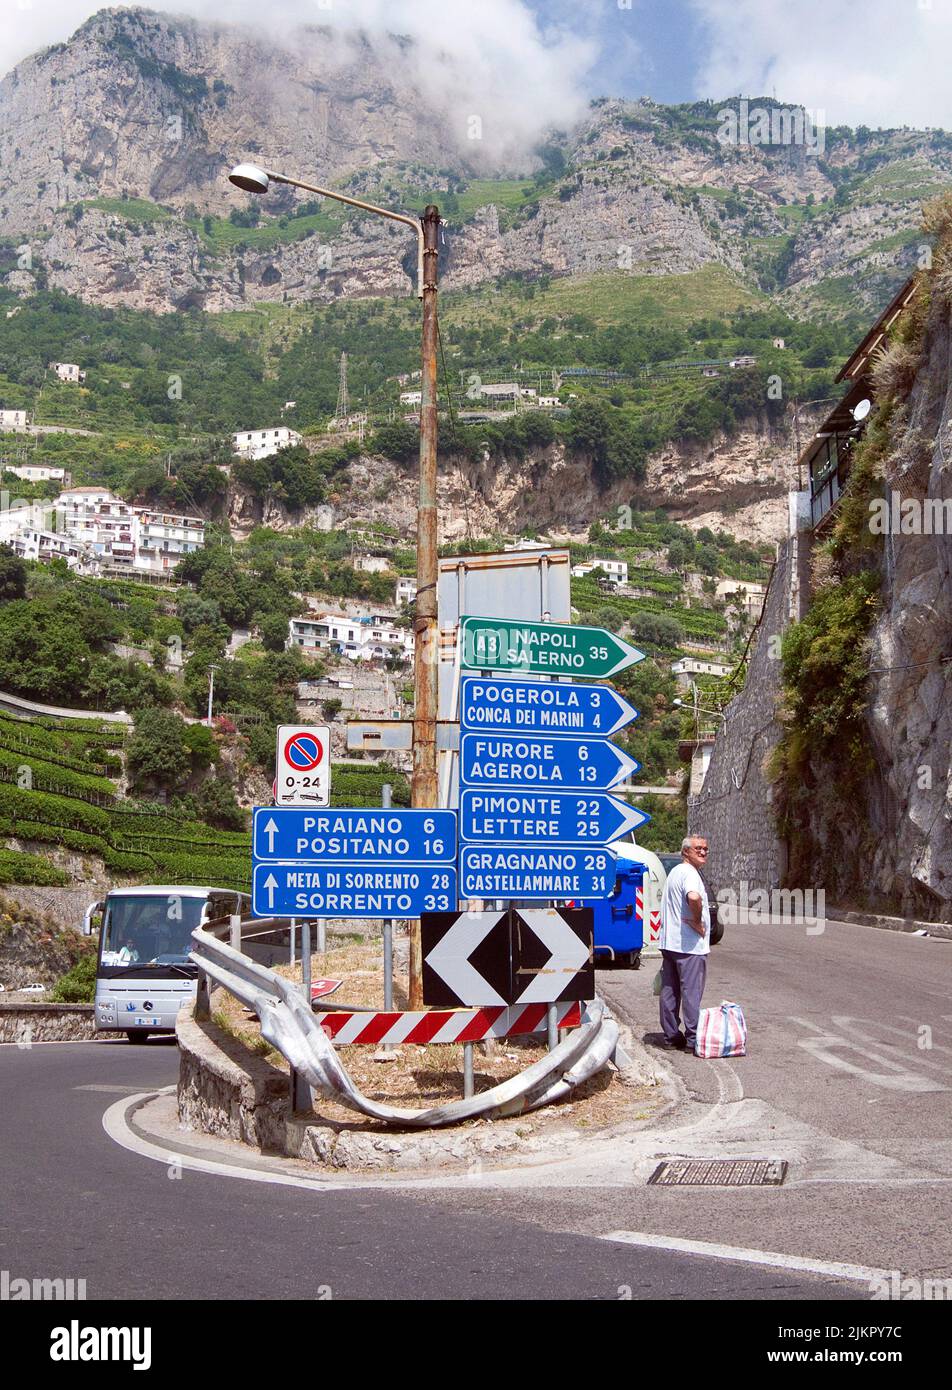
719,1172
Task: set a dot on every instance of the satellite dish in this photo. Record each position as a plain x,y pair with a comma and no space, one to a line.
861,409
250,178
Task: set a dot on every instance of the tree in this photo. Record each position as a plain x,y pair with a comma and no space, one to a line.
158,754
12,575
678,555
201,745
274,632
196,611
217,805
396,440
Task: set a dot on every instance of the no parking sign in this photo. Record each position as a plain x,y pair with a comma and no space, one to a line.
303,765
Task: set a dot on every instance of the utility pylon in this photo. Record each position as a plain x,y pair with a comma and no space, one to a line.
343,404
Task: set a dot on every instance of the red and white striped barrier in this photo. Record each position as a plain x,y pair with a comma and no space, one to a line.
444,1025
652,924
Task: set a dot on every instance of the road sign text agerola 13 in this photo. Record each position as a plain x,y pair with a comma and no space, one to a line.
303,765
508,760
547,649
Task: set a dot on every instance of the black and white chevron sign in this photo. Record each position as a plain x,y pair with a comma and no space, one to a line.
524,956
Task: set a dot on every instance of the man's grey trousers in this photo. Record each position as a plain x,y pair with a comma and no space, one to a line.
682,985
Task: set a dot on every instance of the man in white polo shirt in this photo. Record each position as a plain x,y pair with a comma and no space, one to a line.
685,944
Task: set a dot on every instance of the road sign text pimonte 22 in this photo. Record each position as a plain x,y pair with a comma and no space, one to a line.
548,649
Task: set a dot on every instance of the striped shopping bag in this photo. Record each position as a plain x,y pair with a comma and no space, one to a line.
721,1032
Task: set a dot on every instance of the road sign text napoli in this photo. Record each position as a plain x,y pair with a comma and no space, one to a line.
365,835
550,649
541,707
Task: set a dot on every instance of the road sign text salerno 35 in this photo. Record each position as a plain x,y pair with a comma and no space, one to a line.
550,649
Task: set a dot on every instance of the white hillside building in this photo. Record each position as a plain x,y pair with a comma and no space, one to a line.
616,571
69,372
261,444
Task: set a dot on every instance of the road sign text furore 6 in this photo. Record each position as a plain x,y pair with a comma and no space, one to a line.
514,760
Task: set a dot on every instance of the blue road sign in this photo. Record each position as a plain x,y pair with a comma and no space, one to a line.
542,707
534,760
546,818
352,890
359,835
555,874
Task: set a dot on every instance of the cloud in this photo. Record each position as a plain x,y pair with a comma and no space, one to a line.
491,59
862,62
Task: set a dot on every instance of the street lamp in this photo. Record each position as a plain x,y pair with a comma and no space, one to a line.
211,692
253,179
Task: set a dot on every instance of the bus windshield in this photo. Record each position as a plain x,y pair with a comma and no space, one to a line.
140,930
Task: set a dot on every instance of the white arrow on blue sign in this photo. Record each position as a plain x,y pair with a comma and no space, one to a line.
538,875
351,890
546,818
362,835
542,707
506,760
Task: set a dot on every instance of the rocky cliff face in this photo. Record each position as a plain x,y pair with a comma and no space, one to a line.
140,105
910,806
739,484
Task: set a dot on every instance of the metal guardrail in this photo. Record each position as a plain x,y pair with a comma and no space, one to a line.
288,1023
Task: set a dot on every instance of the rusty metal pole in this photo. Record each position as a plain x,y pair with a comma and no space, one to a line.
426,650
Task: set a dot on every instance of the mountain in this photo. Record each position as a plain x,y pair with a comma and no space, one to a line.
114,150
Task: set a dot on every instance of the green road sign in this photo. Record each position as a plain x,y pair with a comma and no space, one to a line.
546,649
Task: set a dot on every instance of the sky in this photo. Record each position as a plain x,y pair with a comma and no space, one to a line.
872,62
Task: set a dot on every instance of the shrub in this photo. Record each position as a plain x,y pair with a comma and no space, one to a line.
78,985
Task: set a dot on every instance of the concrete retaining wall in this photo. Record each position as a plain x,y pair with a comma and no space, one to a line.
22,1023
225,1090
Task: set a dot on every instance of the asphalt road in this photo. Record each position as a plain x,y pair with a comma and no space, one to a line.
78,1205
848,1078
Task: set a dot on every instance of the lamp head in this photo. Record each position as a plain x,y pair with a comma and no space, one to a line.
250,178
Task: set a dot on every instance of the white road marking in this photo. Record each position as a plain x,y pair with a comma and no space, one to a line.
923,1055
109,1088
822,1043
863,1274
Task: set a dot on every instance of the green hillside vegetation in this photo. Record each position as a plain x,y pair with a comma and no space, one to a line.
175,385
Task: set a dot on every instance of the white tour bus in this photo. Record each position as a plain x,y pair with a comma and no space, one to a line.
144,975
